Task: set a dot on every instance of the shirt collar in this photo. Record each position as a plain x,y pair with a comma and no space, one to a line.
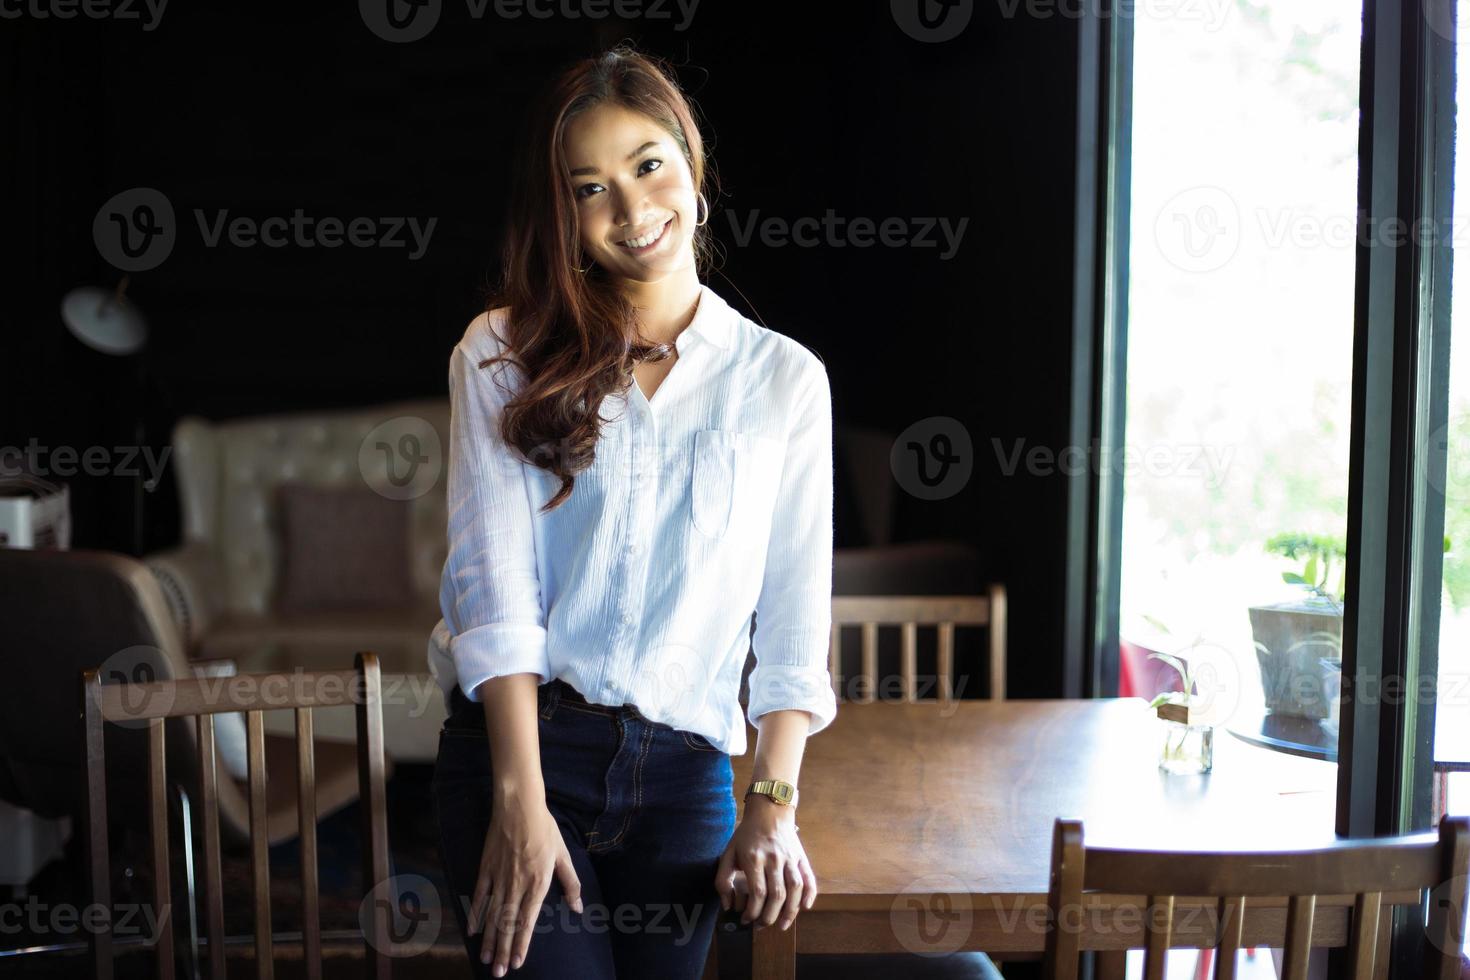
714,320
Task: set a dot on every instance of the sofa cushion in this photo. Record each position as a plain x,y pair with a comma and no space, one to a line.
342,547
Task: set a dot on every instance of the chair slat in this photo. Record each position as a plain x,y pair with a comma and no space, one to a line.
1059,961
311,929
997,643
1160,932
909,660
374,808
259,842
1364,939
158,845
1232,922
870,662
214,895
98,858
1298,943
946,662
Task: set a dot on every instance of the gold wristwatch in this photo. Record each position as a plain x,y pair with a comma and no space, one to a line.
779,790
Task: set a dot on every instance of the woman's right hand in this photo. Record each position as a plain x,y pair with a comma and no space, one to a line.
523,849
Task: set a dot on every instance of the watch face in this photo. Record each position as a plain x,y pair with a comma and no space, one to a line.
784,792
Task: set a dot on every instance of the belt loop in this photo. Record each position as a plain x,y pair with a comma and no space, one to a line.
551,698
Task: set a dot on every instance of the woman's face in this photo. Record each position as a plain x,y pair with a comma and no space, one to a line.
634,196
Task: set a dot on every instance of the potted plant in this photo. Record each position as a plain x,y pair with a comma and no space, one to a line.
1299,643
1189,739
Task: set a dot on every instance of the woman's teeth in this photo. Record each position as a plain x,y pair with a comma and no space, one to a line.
647,239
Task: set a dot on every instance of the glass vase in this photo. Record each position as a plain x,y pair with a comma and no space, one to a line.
1187,748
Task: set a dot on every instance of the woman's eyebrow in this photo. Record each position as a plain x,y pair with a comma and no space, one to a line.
590,171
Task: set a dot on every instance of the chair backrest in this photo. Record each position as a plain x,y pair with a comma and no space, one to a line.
1367,869
908,613
149,704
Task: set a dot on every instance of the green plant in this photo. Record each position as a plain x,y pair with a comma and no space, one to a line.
1322,556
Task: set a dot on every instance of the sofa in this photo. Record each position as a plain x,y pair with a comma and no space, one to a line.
268,502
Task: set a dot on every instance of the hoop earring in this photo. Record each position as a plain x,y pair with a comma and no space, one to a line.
580,271
697,223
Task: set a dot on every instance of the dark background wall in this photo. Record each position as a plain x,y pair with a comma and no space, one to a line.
810,107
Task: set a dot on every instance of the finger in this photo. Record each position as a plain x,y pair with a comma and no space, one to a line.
809,882
775,892
491,928
725,879
755,880
530,911
794,885
509,926
570,883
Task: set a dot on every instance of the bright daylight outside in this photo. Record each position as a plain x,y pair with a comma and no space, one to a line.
1239,361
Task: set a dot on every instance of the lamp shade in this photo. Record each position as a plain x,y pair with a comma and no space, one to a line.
104,320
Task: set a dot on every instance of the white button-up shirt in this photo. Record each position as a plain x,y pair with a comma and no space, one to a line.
707,502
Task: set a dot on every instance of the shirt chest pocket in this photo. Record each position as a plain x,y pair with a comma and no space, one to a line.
735,479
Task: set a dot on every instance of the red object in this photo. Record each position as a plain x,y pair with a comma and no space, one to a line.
1140,676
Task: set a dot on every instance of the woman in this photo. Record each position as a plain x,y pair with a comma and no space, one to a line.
593,642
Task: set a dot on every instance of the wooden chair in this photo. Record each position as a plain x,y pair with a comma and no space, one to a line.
909,612
150,704
1362,870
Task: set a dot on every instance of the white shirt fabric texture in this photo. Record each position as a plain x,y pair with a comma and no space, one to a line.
707,503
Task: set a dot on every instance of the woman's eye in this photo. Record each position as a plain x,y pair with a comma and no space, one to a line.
587,190
649,166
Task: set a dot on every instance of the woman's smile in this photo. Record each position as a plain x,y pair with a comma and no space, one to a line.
647,242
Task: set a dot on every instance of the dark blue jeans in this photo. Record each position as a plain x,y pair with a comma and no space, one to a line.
646,811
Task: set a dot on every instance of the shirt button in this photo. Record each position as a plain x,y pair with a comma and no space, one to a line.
632,547
625,618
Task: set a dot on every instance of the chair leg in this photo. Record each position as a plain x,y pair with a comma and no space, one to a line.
186,811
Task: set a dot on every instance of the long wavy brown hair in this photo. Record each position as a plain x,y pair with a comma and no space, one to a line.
574,333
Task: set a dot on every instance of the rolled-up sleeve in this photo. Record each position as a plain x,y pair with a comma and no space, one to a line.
490,595
793,616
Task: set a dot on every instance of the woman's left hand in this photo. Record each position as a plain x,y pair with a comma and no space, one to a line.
779,877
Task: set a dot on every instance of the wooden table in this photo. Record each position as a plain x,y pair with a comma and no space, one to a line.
929,826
